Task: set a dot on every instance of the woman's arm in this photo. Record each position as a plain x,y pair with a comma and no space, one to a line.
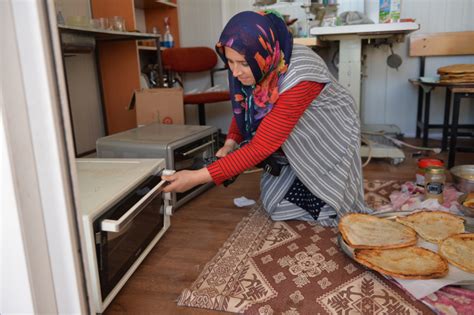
271,133
234,137
184,180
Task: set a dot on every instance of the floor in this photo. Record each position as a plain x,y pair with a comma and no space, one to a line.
200,227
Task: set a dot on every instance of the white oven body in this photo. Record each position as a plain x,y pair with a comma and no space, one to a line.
116,197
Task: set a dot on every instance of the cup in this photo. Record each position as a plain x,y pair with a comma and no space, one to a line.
95,23
104,23
117,23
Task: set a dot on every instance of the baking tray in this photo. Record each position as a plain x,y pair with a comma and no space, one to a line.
468,226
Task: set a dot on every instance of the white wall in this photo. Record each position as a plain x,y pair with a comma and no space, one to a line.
387,97
200,24
386,94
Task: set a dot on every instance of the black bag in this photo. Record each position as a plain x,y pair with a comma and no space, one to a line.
271,166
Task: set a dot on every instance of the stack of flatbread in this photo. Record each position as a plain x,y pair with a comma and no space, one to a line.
389,247
459,73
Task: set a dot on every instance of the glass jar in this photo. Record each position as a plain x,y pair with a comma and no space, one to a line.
435,179
422,165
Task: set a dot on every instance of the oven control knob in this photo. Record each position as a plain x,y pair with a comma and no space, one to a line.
169,210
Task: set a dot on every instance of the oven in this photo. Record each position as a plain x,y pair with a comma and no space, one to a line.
180,145
124,214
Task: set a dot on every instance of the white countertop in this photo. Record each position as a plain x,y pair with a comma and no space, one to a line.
102,182
366,29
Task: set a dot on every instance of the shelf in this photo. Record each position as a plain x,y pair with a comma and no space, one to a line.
106,35
77,49
366,29
154,4
151,48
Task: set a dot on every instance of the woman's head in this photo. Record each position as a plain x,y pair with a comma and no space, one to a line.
239,66
261,38
256,46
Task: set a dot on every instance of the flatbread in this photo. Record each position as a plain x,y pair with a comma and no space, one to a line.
406,263
457,76
459,251
456,80
469,201
366,231
433,226
457,68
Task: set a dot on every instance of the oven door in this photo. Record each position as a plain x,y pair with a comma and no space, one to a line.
125,231
185,158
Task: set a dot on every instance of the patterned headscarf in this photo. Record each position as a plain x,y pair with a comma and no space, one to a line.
264,40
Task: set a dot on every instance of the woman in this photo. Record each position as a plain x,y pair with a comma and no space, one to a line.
290,113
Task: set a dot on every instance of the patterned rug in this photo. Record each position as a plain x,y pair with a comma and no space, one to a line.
377,192
294,267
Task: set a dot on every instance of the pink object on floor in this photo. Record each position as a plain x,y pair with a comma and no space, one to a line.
451,300
412,197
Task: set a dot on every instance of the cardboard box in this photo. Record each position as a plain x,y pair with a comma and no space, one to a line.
162,105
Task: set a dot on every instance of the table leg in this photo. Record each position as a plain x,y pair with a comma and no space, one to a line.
447,110
419,111
454,130
426,118
350,50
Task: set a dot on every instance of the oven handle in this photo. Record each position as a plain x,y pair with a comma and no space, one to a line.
126,218
198,148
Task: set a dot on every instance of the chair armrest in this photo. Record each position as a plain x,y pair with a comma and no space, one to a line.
214,71
218,69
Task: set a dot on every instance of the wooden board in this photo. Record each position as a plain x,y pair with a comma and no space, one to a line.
442,44
120,74
110,8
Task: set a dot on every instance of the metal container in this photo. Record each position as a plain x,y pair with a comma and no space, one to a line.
463,177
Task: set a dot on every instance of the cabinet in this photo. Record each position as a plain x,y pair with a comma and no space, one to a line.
119,62
118,39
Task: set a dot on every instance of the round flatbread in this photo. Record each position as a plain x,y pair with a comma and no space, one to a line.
469,201
366,231
433,226
406,263
457,68
459,251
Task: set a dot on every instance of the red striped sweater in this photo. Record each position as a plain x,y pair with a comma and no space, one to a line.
270,135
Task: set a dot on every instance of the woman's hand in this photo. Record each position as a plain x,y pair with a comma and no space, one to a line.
185,180
228,147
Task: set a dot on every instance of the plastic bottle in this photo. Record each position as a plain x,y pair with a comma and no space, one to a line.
168,40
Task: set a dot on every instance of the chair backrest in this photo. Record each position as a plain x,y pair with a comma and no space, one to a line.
442,44
189,59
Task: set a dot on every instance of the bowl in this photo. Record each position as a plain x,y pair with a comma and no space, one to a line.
463,177
466,210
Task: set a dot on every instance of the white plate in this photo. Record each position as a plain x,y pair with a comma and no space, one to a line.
429,79
468,225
